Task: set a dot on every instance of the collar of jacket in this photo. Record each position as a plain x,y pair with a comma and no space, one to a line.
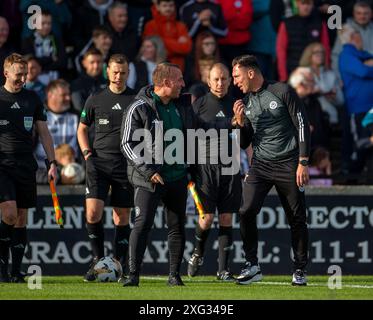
145,94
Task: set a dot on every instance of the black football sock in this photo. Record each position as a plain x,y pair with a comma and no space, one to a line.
5,241
96,238
225,246
201,237
121,240
18,247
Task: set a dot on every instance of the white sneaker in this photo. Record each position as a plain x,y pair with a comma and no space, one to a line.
299,278
250,273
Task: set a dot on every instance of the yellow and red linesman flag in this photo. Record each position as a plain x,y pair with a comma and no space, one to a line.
56,204
197,200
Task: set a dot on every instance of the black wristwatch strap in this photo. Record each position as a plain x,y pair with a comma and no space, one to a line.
303,162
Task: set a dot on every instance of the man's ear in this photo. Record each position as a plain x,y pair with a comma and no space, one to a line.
167,83
251,74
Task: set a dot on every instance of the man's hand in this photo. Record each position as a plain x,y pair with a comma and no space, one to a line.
182,39
156,178
205,17
238,108
302,175
52,173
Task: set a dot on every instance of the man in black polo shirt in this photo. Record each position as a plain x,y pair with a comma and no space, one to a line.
217,191
275,122
105,164
20,111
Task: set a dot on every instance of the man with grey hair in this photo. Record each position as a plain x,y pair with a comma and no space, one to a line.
125,39
362,22
356,69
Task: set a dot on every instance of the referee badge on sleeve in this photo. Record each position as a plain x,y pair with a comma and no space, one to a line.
27,122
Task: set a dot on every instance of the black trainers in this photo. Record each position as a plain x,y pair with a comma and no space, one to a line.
299,278
225,276
91,274
18,278
175,280
131,281
194,264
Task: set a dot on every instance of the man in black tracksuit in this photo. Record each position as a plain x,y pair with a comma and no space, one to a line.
157,107
216,190
105,164
275,122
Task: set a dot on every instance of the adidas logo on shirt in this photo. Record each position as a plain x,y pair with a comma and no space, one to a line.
15,106
117,107
220,114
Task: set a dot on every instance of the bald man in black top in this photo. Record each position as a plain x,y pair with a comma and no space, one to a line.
217,191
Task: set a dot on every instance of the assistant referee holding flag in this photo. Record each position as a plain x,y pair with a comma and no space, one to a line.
106,167
275,122
20,111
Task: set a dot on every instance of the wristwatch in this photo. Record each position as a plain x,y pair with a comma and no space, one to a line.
303,162
86,152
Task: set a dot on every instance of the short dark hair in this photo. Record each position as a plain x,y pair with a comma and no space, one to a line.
92,51
31,57
159,1
117,58
362,4
46,12
59,83
101,30
246,61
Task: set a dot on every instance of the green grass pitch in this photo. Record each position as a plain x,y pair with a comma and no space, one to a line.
198,288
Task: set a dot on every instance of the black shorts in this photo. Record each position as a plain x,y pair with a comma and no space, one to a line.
18,180
103,173
218,191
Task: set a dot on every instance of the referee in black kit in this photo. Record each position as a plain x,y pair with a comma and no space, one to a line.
105,165
20,112
275,122
216,190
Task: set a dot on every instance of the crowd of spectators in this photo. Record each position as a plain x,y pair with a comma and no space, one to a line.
331,70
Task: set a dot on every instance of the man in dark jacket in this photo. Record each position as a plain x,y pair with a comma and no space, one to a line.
90,81
154,175
125,40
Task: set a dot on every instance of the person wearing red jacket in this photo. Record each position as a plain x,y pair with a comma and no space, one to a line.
238,16
296,33
173,33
